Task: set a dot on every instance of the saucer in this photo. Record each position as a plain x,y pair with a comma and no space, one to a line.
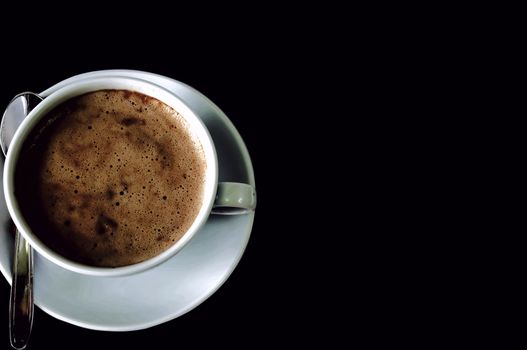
176,286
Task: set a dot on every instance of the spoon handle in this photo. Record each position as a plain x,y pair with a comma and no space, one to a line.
21,299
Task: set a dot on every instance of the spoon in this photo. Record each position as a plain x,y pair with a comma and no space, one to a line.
21,298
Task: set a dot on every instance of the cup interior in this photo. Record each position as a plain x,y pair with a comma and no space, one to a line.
195,126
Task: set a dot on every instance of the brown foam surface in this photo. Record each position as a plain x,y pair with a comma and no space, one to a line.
117,178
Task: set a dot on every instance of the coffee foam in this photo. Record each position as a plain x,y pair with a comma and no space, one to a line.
119,178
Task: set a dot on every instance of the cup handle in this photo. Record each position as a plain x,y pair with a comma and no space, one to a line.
233,198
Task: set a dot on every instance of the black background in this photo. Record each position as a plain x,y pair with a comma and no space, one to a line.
257,302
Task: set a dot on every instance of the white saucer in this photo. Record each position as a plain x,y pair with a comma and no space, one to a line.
170,289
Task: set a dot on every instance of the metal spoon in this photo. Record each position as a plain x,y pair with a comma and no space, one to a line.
21,298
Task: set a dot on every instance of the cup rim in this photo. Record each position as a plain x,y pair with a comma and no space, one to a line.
80,87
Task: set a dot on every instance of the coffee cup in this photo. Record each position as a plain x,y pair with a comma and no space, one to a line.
111,176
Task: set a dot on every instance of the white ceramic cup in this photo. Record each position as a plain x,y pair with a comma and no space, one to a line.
220,198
